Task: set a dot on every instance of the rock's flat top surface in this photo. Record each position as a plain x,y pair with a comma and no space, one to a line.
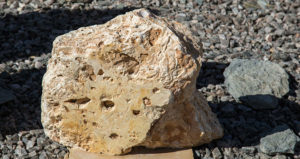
129,82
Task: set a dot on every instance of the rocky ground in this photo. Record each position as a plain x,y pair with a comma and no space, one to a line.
253,29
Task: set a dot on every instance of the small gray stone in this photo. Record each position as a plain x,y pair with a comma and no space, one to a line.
20,151
224,98
41,141
43,155
6,157
210,98
38,65
216,153
228,153
32,154
268,29
29,144
197,152
62,154
12,137
263,156
199,2
282,140
182,1
256,83
54,145
2,67
279,157
235,10
249,150
181,17
20,143
49,2
207,153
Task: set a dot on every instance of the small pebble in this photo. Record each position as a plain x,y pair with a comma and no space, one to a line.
216,153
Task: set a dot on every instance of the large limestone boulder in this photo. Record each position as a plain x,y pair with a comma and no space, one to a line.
129,82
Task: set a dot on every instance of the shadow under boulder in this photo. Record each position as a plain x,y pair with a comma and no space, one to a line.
260,101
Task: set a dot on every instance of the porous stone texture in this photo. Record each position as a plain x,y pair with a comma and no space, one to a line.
129,82
256,83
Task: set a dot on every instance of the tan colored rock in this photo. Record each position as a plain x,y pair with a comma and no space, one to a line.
129,82
137,153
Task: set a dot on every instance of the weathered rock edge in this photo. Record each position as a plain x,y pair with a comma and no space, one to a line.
129,82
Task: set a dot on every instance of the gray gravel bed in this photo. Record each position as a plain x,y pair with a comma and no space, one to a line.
229,29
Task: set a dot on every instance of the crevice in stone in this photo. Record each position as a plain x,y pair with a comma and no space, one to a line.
113,135
79,101
136,112
108,104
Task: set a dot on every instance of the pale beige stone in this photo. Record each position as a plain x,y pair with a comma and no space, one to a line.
135,154
129,82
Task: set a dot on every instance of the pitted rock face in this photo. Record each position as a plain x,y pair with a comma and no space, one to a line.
129,82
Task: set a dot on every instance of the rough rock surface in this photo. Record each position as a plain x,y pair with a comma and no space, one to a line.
129,82
281,140
257,83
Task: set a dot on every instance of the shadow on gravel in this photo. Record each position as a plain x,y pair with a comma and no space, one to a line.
24,112
211,73
32,34
244,126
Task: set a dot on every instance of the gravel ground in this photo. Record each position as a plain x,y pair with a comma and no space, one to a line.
229,29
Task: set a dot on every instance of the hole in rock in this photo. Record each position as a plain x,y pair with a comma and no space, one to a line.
154,34
130,71
66,109
100,72
79,101
83,100
94,123
106,78
71,101
146,101
136,112
93,77
108,104
113,135
155,90
90,72
100,43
